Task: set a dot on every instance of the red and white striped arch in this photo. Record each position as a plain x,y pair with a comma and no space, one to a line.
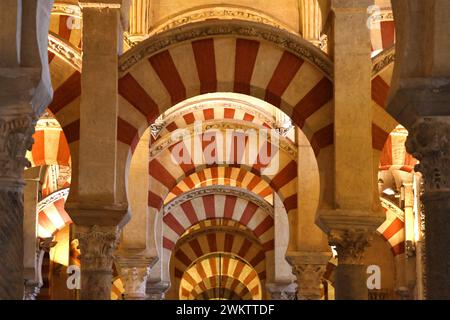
394,155
224,63
211,240
221,287
50,146
226,176
216,206
219,110
67,26
193,281
382,31
165,173
382,123
393,229
52,216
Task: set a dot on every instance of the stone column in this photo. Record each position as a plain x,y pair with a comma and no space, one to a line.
281,291
309,268
134,271
16,128
97,245
410,241
157,290
354,215
94,205
350,274
32,287
311,21
429,142
25,91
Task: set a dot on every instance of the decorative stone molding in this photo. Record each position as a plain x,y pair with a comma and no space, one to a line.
286,40
220,12
100,4
223,190
388,205
65,50
15,140
350,244
97,244
429,142
382,61
55,196
66,9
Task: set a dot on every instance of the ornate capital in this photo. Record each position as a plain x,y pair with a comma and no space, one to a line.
134,270
429,142
309,268
135,279
350,244
97,245
15,140
309,278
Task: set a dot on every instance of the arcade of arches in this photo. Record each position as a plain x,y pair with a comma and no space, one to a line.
243,150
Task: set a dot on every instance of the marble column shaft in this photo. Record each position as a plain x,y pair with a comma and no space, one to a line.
97,245
16,129
429,142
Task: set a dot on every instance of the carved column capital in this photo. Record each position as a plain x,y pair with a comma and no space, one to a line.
134,271
134,279
350,244
97,245
429,142
15,139
309,268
